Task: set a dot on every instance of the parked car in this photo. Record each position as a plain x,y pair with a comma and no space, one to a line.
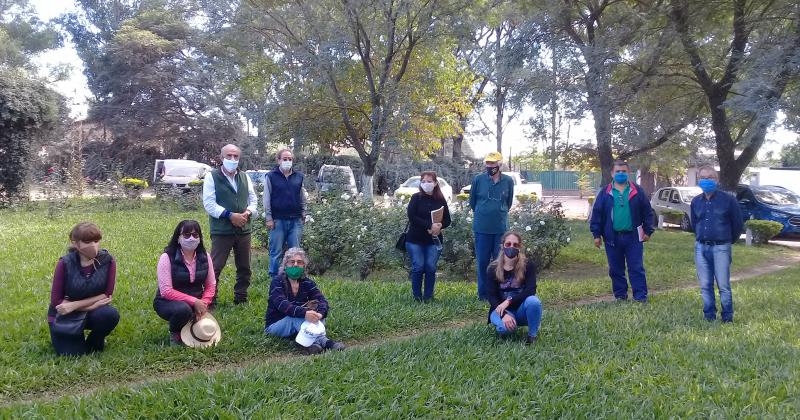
336,178
411,186
521,186
178,172
770,202
257,176
675,199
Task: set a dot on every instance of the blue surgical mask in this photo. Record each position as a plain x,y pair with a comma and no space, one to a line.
708,185
230,165
621,177
511,252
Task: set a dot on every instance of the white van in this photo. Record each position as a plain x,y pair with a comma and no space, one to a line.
178,172
336,178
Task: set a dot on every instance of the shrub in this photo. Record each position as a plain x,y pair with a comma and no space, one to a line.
763,230
544,231
134,183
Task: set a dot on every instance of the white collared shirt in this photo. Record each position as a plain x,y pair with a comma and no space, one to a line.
210,195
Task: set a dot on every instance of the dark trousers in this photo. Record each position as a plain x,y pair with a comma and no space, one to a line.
177,312
627,249
221,246
100,322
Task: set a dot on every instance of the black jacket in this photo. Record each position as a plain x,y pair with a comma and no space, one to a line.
495,294
419,218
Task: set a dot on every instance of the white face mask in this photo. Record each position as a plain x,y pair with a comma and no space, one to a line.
286,165
427,186
230,165
189,244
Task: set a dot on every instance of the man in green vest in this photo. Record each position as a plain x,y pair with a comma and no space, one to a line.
230,201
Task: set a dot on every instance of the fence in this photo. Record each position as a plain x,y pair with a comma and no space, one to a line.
566,181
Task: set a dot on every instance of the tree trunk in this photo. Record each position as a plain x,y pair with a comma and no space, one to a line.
458,140
554,116
648,181
500,103
601,111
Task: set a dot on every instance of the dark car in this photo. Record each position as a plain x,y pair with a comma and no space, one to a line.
769,202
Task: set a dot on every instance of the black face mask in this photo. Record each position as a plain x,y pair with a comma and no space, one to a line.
511,252
492,171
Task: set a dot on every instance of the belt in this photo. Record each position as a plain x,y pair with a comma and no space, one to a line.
714,242
623,231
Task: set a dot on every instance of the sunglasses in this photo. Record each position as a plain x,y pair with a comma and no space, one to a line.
188,235
511,244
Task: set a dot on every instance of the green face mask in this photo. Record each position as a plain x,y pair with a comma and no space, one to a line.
294,273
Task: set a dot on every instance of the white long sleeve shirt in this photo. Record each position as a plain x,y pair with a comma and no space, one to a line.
210,195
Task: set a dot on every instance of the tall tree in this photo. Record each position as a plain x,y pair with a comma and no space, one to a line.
741,55
357,53
790,154
28,106
619,46
154,88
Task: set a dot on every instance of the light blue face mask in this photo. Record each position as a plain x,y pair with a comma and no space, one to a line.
708,185
230,165
621,177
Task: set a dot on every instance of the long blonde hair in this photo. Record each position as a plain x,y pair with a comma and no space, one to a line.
519,266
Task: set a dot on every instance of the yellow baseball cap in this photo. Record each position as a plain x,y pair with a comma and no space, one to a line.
493,157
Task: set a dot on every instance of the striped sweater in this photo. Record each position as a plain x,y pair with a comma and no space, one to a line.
282,303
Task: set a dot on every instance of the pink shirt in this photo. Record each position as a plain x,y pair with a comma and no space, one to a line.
164,271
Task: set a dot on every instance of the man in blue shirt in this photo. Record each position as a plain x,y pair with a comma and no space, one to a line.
490,197
717,222
623,218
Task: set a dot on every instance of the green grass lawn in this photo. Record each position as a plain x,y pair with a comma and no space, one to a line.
602,360
32,243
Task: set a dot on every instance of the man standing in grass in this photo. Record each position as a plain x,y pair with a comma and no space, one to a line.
623,218
284,208
490,197
230,200
717,222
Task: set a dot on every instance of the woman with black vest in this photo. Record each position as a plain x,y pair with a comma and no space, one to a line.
80,297
424,237
186,283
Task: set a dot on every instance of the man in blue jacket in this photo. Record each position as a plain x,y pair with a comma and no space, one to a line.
717,222
623,218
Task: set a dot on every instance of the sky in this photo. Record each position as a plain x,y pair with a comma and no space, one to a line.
515,138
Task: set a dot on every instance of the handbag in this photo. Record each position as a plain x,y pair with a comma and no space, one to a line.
72,323
401,241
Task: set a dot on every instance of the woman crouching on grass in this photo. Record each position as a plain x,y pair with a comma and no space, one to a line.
186,283
297,307
512,295
80,297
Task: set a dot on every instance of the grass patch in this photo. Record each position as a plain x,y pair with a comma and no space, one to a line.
32,242
602,360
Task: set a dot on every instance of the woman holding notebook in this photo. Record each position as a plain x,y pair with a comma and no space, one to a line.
428,215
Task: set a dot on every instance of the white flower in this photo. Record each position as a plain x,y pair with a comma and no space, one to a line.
363,228
345,196
541,222
528,249
568,239
469,219
527,228
358,237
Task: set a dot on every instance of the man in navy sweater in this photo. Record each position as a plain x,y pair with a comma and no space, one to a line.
623,218
284,208
717,222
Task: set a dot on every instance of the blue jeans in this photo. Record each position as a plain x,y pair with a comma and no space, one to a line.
627,249
487,245
289,231
714,263
423,263
289,327
529,313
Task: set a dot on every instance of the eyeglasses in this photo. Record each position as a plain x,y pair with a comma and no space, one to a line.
295,262
188,235
511,244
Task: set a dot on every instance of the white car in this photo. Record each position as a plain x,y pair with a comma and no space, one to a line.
178,172
411,186
675,199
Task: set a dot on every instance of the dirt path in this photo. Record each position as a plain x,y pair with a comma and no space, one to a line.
770,267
